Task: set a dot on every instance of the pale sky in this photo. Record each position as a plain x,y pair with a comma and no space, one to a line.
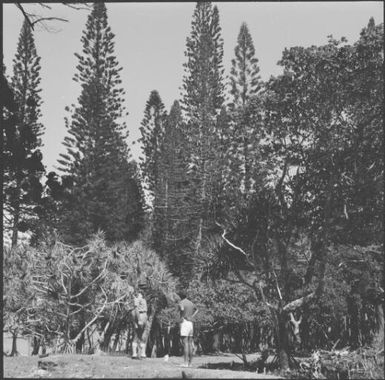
150,40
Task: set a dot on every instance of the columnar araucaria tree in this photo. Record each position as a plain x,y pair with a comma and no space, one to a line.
97,158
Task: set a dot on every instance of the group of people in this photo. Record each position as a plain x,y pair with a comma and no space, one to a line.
187,314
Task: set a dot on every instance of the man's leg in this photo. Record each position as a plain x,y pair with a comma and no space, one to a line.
190,353
141,345
135,341
135,317
186,349
142,326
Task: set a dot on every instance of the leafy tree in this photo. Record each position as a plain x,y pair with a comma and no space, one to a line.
97,154
301,187
22,131
226,305
330,133
363,182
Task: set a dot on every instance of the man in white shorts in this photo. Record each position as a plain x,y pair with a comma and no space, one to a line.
187,314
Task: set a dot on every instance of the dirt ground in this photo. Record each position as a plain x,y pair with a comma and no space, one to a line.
105,366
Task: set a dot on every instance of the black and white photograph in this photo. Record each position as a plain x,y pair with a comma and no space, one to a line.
193,189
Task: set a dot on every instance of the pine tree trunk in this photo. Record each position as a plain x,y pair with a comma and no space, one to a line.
202,203
247,169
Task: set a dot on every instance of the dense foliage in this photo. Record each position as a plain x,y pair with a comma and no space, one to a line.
57,293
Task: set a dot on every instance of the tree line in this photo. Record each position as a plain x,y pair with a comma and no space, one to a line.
265,197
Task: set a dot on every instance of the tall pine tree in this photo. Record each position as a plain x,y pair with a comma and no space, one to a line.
203,97
245,85
172,232
22,139
152,131
97,154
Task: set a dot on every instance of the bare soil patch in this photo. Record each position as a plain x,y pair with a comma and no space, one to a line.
106,366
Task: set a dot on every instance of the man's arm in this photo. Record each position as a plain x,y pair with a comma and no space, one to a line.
191,318
195,312
181,309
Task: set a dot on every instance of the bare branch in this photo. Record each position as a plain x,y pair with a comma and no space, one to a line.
92,320
44,5
102,273
41,288
54,331
229,242
68,267
268,304
242,279
25,14
277,285
117,300
293,320
235,247
49,19
76,7
293,305
62,314
62,284
78,304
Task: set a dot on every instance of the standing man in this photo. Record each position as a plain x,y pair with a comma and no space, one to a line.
140,322
187,314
